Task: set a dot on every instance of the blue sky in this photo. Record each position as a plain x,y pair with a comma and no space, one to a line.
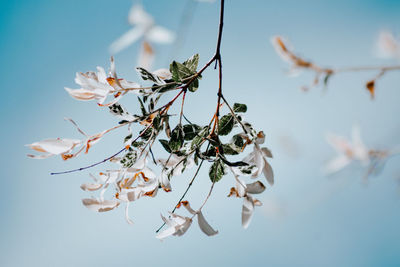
308,219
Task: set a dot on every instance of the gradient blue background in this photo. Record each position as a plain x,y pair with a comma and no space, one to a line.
307,219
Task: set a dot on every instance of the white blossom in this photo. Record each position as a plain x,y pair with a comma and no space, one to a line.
258,158
388,46
177,225
347,150
51,147
98,85
245,191
143,27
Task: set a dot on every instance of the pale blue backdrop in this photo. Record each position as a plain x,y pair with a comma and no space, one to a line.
307,219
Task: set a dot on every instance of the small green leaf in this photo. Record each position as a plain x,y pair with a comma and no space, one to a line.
126,139
246,170
238,141
210,152
128,159
137,143
179,71
146,135
192,63
157,122
146,75
239,107
191,130
194,85
326,78
142,108
165,144
217,170
229,149
225,124
199,137
177,138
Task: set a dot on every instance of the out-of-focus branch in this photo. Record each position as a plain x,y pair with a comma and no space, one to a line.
325,73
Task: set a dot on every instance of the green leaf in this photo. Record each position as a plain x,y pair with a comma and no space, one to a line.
229,149
179,71
137,143
142,108
199,137
177,138
117,110
157,122
146,135
225,124
237,107
129,159
246,170
192,63
326,79
127,138
146,75
193,86
217,170
191,130
238,141
165,144
211,152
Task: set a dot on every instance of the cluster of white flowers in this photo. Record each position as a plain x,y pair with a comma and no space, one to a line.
354,150
134,179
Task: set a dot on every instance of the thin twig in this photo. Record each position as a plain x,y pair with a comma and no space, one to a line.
104,160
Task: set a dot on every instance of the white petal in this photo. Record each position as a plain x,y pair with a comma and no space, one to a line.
126,39
266,152
90,187
388,45
160,34
188,207
204,225
99,206
240,187
359,149
339,143
137,16
127,215
268,172
247,211
164,74
164,181
337,164
146,56
55,146
255,188
258,161
166,233
178,225
44,156
81,94
127,84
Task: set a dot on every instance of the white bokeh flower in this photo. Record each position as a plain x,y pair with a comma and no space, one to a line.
388,46
348,151
143,27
